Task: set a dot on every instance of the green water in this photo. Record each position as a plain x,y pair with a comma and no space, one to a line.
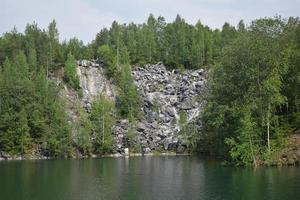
170,177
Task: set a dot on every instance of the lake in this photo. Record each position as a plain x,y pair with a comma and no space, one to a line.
149,177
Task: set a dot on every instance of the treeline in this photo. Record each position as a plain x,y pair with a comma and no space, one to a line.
253,102
177,44
253,88
33,119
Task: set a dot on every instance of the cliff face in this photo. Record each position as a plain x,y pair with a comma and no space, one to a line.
169,99
93,82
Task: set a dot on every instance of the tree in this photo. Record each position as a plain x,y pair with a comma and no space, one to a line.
197,46
37,39
228,34
20,62
149,38
116,41
291,81
102,38
58,141
16,95
102,118
131,40
82,129
241,27
75,47
106,53
22,133
161,39
182,121
244,148
246,89
128,99
55,53
70,75
32,60
207,46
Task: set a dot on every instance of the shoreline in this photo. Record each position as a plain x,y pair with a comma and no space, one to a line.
115,155
119,155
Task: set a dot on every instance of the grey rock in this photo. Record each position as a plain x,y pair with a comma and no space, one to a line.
163,95
166,143
141,127
187,105
146,150
170,112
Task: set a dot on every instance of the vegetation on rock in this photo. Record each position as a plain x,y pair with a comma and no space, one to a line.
252,103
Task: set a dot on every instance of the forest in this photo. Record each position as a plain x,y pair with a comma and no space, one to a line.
252,99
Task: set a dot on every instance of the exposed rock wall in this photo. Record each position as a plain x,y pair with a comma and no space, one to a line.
93,82
164,95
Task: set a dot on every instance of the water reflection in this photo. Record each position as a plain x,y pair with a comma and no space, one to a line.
173,177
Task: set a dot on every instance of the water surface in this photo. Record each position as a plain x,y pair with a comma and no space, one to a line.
159,178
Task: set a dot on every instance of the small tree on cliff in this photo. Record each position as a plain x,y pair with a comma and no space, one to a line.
70,75
106,53
129,101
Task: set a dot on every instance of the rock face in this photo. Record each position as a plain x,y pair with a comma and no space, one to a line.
164,95
93,82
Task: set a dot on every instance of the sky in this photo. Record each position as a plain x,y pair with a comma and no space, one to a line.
84,18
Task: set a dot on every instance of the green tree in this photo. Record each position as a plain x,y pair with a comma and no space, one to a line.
70,75
32,60
55,54
150,39
103,120
246,91
128,98
106,53
16,96
82,129
228,34
244,148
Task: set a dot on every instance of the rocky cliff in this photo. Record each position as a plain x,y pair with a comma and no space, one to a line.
166,96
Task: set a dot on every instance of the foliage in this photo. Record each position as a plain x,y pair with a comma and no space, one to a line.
70,75
252,105
177,44
128,98
30,111
247,98
82,129
103,120
106,53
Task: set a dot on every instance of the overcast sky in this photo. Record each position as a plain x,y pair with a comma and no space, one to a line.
84,18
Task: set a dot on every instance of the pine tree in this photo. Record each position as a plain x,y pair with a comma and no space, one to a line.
129,101
32,60
106,53
70,75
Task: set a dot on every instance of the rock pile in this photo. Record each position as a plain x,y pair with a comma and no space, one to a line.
165,94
